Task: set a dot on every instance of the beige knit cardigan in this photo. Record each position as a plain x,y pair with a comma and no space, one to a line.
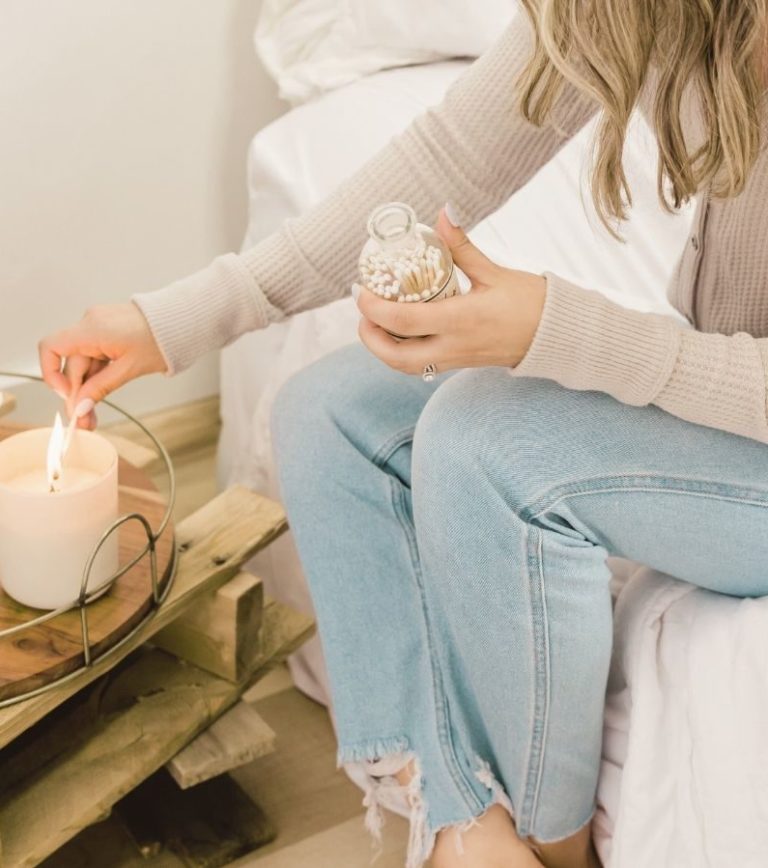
475,150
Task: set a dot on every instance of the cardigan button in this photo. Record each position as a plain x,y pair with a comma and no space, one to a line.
695,242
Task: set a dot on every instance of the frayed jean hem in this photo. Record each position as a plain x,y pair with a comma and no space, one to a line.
379,767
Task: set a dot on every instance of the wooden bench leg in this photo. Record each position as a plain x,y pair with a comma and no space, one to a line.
221,632
236,738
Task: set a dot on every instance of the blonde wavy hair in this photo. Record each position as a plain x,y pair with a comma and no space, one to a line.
607,48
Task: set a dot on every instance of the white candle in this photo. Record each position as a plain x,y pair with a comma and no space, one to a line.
36,481
52,517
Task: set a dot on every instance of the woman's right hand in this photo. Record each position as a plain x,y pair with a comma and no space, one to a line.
111,345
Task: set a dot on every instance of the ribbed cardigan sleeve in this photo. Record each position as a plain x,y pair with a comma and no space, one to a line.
475,150
584,341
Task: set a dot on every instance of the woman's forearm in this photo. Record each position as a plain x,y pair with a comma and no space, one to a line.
475,149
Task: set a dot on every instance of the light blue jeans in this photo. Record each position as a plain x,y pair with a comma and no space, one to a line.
454,537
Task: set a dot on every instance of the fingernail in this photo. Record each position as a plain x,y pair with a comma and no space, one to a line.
61,394
450,213
356,291
84,408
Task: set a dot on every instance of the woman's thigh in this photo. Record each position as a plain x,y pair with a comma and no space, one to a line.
349,399
687,500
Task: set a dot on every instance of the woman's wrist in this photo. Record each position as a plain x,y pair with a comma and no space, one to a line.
587,342
205,311
529,309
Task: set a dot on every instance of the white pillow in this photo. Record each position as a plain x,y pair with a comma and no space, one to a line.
312,46
450,28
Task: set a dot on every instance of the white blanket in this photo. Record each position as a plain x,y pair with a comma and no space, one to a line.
687,718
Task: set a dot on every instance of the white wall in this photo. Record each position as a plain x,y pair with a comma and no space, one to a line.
124,127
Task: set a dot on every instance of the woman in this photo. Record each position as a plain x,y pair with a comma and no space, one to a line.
454,531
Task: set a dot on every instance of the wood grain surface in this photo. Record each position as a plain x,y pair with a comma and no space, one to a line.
221,633
69,771
235,739
39,655
213,544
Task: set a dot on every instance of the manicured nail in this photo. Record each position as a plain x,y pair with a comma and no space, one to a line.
84,408
450,213
61,394
356,291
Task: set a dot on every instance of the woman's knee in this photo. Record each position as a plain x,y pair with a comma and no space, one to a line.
348,398
484,424
479,408
314,395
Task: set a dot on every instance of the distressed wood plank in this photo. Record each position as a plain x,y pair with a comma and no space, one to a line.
221,632
282,628
236,738
214,543
141,714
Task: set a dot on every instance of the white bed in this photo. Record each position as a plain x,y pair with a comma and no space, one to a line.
667,794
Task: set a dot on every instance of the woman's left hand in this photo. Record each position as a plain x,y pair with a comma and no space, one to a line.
494,324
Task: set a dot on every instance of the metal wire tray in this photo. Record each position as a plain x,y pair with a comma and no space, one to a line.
81,603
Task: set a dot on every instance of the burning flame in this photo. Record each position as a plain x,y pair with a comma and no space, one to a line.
55,452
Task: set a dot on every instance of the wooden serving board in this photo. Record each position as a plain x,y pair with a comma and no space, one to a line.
39,655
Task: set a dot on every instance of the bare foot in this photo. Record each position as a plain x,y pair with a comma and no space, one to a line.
491,843
578,851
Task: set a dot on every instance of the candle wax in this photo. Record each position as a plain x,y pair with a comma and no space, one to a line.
36,481
47,537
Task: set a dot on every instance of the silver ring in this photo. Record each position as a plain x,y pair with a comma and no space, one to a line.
429,373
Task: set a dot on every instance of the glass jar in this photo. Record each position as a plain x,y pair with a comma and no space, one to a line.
404,260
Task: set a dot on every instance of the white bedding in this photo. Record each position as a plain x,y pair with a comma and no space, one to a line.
311,46
685,786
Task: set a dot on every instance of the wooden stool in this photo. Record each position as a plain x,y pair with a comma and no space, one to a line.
71,754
